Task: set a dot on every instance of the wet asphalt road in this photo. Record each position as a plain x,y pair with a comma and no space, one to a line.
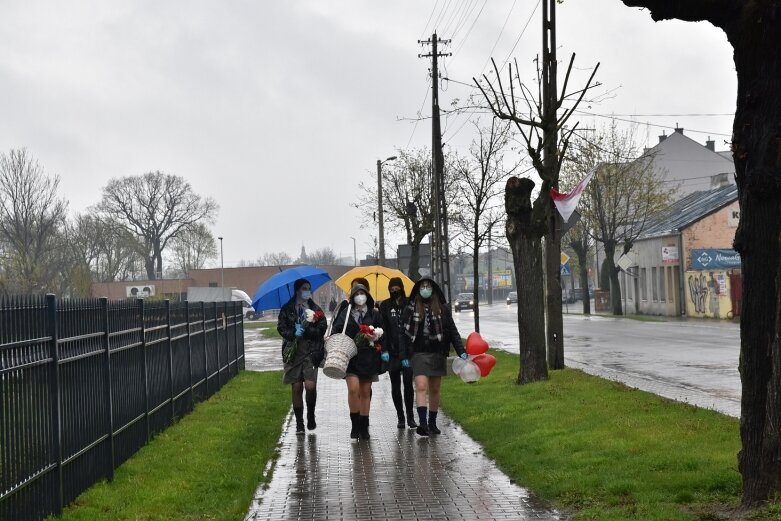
693,361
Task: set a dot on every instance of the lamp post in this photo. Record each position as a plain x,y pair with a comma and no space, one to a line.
222,266
355,253
379,208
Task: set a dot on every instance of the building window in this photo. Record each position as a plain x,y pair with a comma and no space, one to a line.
643,284
654,285
213,285
662,289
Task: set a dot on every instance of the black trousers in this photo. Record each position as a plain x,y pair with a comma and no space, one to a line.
396,377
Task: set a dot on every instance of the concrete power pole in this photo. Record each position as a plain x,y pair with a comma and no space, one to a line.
440,265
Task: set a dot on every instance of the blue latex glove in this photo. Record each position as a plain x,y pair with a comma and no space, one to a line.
299,329
385,356
405,363
464,356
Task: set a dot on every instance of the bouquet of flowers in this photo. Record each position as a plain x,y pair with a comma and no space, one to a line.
310,317
368,338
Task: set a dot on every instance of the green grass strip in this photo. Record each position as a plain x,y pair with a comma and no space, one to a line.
599,449
267,329
207,466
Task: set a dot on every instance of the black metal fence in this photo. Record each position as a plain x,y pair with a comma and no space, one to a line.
85,383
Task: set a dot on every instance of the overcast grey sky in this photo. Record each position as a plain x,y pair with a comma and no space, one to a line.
279,109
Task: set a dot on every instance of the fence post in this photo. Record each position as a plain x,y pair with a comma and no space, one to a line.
170,354
146,367
217,345
54,393
109,393
236,337
189,351
205,352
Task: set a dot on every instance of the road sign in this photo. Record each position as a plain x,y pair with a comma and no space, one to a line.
564,258
565,270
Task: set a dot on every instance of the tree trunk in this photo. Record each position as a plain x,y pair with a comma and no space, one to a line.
757,153
582,254
555,321
149,264
414,260
527,259
612,272
476,286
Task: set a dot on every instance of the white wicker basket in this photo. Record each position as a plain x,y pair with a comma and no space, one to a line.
339,349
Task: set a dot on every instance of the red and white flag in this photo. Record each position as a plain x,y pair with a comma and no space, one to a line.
567,202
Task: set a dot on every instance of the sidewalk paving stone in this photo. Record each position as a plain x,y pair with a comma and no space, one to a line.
325,475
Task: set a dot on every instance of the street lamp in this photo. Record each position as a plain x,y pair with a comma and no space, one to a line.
379,209
355,253
222,266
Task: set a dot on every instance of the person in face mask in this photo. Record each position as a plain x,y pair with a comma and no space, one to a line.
429,331
390,311
364,366
302,350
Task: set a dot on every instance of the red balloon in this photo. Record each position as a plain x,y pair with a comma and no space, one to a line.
475,345
485,362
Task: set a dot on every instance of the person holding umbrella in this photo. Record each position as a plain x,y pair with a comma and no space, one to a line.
302,324
391,310
429,331
364,367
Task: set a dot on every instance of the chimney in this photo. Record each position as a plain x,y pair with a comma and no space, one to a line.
720,180
678,129
662,137
710,144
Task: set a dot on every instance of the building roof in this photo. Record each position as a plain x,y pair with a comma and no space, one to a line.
688,210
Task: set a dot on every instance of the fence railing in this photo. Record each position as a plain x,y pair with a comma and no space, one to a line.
85,383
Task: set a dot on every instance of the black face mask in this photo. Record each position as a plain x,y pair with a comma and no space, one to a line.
396,294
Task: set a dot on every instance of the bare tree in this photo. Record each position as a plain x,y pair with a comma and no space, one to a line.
539,124
479,183
155,207
31,221
279,258
580,242
322,257
408,199
193,248
621,196
754,30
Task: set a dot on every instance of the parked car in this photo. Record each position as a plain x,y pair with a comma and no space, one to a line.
464,301
512,298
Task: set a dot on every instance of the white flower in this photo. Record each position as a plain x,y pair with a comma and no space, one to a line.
377,333
310,316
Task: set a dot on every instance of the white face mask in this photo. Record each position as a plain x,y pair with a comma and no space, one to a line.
360,300
306,295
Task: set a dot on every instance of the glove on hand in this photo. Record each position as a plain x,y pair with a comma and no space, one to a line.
385,356
299,329
405,363
464,356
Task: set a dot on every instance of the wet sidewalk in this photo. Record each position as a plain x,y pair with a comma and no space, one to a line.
396,474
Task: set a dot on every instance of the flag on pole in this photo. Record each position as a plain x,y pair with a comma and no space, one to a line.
567,202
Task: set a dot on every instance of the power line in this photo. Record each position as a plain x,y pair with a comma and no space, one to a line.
463,41
429,20
667,127
420,111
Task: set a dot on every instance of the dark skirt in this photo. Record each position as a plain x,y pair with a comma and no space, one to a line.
365,364
429,364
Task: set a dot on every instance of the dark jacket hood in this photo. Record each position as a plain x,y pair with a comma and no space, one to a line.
369,299
437,290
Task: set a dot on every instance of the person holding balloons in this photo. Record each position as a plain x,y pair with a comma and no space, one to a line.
429,331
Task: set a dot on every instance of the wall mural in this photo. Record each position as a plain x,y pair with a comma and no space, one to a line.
708,294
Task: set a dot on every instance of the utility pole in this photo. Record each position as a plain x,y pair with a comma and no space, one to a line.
490,272
550,159
440,265
380,222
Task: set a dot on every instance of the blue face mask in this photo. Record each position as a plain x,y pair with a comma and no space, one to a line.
426,292
306,295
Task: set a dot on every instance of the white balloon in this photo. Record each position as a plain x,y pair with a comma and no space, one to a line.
458,364
470,373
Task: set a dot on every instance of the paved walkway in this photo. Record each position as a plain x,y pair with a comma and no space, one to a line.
395,475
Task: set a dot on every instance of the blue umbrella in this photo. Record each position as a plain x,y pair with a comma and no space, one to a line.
278,289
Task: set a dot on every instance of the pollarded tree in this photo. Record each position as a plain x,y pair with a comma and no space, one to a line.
753,27
156,208
625,191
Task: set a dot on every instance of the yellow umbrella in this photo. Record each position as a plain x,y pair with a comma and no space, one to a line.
378,277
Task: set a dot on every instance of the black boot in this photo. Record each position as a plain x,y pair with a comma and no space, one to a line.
364,432
400,423
311,399
422,429
432,423
299,413
355,418
410,420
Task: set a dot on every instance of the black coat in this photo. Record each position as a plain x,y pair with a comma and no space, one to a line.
313,333
450,334
366,363
391,312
